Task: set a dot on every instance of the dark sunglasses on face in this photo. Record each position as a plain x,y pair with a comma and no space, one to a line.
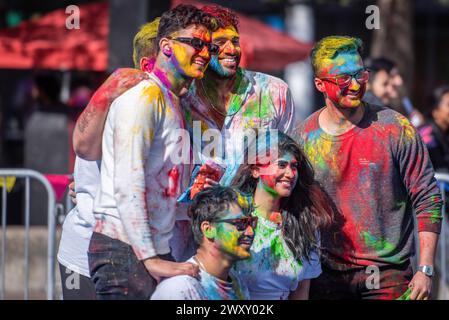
199,44
344,80
241,223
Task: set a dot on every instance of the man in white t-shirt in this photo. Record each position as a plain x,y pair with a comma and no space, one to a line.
79,222
224,230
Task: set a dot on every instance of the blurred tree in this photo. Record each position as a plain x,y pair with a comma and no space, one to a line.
394,39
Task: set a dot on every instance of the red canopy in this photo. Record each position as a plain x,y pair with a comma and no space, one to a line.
46,43
264,48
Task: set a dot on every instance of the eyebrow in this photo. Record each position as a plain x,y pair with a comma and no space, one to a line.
225,38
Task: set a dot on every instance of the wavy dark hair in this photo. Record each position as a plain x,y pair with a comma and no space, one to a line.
306,207
182,16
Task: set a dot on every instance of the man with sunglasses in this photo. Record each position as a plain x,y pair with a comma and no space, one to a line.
376,170
135,206
224,231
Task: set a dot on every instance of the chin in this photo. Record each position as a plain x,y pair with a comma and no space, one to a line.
351,104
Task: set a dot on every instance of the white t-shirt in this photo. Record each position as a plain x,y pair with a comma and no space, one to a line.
272,271
207,287
79,222
140,179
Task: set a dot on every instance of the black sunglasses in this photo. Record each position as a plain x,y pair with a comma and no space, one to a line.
199,44
241,223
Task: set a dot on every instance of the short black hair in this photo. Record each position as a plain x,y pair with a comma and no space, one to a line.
437,96
182,16
212,204
379,64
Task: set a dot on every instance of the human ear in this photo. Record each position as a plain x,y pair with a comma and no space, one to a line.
255,172
319,85
208,230
146,64
165,47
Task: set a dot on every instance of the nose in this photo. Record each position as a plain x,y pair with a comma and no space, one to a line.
249,231
229,47
354,86
289,172
204,53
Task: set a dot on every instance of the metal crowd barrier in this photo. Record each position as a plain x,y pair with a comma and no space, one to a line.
443,179
28,175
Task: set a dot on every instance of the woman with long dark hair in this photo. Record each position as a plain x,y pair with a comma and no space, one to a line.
291,209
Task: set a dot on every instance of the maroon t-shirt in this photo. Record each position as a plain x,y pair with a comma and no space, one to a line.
376,175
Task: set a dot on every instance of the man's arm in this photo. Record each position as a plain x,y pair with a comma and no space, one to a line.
87,136
419,178
421,284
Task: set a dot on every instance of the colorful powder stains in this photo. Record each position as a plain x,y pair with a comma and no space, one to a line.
407,127
375,243
436,216
319,152
243,201
277,248
406,295
227,237
173,182
268,183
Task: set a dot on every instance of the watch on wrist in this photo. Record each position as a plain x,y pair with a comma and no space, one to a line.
426,269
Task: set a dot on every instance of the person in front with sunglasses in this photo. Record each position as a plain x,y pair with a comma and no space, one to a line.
374,166
224,230
290,208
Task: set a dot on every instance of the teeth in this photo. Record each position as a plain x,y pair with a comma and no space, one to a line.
229,60
201,63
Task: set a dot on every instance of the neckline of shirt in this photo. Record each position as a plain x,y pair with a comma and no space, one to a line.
203,105
357,128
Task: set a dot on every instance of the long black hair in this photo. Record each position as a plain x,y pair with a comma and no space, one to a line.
306,207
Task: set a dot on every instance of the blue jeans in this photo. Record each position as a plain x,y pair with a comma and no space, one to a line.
116,272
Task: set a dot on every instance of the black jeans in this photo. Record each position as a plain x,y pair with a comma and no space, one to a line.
358,284
116,272
75,286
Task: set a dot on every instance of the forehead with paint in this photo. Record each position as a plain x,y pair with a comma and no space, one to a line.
194,30
342,63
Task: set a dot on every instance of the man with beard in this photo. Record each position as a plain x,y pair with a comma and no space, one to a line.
231,99
374,166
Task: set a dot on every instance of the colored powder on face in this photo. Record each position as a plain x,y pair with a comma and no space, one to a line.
345,62
228,238
268,185
377,244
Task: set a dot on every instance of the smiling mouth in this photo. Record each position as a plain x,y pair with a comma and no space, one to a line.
286,184
246,242
200,63
229,60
